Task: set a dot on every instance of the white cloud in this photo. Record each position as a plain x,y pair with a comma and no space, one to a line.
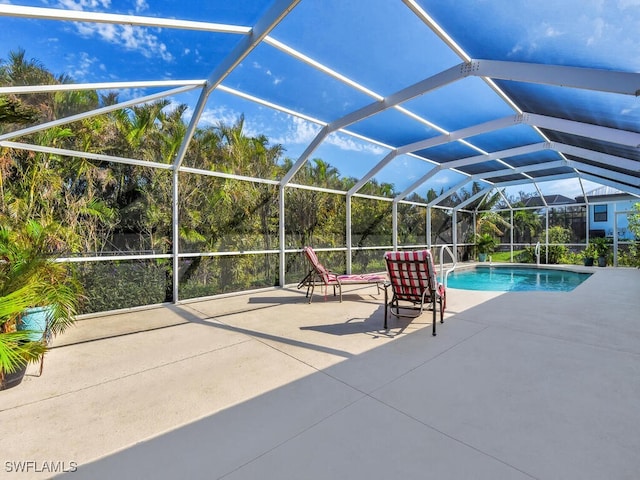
552,32
347,143
274,78
535,37
83,4
623,4
141,6
598,26
442,179
129,93
138,39
213,116
288,132
131,38
302,132
297,132
81,66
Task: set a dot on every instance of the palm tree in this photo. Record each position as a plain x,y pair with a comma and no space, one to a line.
488,220
29,278
526,224
491,222
18,71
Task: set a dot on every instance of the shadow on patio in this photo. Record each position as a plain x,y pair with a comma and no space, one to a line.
522,385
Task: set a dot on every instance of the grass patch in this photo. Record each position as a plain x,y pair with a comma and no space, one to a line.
505,257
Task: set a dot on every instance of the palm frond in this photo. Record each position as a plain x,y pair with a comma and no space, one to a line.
16,350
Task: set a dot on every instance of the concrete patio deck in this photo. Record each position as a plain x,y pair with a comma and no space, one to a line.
265,386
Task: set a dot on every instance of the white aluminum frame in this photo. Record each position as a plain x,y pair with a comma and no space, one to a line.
584,78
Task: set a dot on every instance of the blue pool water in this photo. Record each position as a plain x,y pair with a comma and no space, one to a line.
516,279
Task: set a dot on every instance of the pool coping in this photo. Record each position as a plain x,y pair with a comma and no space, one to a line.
545,266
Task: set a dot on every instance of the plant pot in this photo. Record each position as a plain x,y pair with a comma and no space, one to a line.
13,379
35,319
588,262
602,261
482,257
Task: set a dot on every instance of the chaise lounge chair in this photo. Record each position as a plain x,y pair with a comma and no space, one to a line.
413,281
319,275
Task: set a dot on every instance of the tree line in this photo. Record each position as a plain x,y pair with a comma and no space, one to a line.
100,207
107,208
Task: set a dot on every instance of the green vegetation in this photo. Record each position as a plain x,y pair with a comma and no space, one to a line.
30,279
631,257
110,208
490,226
505,257
486,243
527,225
100,207
558,253
557,237
634,220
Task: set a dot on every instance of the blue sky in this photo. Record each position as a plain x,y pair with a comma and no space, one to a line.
379,44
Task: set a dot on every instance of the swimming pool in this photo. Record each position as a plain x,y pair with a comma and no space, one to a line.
515,279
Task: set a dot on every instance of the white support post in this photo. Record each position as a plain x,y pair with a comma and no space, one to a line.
281,234
588,223
546,240
394,223
615,235
429,227
475,224
512,231
175,236
454,234
348,232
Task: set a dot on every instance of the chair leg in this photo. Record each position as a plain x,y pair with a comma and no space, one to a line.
434,316
313,287
305,280
386,306
394,304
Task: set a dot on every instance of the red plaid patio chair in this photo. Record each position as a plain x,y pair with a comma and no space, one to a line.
320,275
412,275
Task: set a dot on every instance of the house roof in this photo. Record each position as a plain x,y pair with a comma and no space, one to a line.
607,194
548,200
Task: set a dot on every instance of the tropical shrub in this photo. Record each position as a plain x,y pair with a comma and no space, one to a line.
29,277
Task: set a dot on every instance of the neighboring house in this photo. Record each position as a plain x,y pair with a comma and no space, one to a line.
551,200
571,217
604,202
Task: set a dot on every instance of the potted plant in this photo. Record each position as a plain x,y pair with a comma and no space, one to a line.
16,350
30,278
601,246
589,254
486,244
